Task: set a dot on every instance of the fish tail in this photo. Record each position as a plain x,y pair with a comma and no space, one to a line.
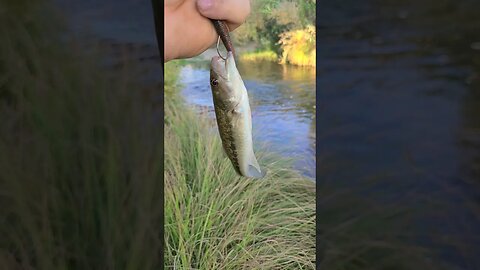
253,168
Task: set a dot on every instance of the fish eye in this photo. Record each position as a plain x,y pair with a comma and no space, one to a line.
214,82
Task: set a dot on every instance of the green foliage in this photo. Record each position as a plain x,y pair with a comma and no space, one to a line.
266,7
270,18
269,34
244,34
306,12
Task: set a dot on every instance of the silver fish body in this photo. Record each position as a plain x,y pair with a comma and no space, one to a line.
234,119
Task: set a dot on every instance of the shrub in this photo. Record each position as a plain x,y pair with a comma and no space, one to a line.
298,47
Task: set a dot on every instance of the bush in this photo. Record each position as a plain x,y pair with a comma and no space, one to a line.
298,47
269,34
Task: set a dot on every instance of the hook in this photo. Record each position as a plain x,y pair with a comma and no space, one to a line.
218,42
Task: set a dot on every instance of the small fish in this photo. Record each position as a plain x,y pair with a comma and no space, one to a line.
233,115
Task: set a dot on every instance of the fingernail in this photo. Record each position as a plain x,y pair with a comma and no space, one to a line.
205,4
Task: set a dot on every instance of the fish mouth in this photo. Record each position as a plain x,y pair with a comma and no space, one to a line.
220,66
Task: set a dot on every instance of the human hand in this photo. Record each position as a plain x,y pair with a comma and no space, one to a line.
188,30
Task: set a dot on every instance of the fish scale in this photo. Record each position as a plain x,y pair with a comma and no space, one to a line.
226,133
233,115
232,109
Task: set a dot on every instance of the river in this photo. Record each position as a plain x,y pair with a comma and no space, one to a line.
399,104
282,99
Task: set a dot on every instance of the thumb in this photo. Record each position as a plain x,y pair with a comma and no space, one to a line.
235,12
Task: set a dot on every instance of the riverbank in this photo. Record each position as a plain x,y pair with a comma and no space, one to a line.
215,219
295,47
282,100
259,56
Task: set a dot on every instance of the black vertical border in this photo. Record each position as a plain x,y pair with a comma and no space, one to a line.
318,251
158,16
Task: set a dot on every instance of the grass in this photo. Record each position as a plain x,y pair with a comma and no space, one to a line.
80,153
259,56
217,220
171,70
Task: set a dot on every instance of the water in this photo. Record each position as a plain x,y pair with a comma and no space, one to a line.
399,101
282,100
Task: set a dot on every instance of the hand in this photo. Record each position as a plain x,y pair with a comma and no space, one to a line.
188,30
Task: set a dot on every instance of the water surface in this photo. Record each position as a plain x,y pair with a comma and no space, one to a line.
399,85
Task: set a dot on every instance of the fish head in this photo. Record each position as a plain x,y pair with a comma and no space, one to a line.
225,80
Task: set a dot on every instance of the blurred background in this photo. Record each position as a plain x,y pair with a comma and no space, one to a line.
399,134
81,153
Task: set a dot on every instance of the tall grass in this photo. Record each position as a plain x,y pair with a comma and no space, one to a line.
171,73
217,220
80,153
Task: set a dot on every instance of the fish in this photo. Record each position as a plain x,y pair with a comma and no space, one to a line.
233,114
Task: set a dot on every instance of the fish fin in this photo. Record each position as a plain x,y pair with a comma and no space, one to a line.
253,169
254,172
